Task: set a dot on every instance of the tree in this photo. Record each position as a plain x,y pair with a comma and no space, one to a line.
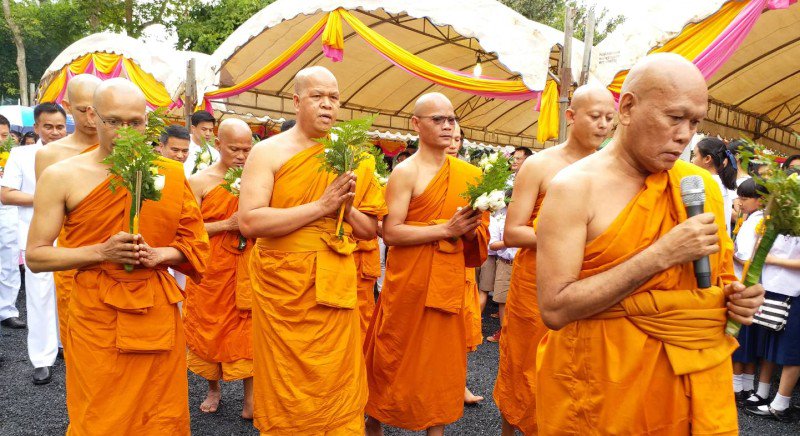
19,44
132,17
552,12
207,25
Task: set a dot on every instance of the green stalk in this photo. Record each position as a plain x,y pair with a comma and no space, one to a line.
753,274
131,218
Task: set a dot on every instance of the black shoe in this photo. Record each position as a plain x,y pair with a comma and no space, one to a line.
742,396
42,376
767,411
60,353
13,323
755,400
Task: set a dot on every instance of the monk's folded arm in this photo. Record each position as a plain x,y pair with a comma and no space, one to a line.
364,226
563,298
170,256
15,197
216,227
404,234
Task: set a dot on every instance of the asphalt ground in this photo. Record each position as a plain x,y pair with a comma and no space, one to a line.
26,409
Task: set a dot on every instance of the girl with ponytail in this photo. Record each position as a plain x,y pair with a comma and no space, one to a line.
712,155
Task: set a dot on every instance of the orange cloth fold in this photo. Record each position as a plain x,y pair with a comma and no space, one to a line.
416,344
522,329
368,266
666,340
127,352
217,330
472,311
309,367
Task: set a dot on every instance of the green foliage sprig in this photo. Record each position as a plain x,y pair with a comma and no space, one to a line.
347,145
204,158
488,191
381,167
232,181
7,144
132,152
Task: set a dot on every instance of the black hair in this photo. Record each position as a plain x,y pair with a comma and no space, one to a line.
750,189
288,124
203,117
786,164
174,131
525,150
17,134
719,153
4,122
403,153
48,108
29,135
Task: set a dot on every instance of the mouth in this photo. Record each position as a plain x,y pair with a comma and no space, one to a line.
325,117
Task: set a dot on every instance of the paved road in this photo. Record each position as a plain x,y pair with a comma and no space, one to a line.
40,410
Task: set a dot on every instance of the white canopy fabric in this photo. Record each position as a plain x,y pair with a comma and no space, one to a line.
448,33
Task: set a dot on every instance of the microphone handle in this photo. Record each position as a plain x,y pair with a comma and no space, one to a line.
702,267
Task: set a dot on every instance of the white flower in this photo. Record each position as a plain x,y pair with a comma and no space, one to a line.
483,162
481,203
793,177
236,184
497,200
508,150
159,181
201,166
383,180
328,150
205,156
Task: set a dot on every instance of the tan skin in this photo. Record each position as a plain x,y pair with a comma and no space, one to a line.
176,149
317,104
591,116
658,116
50,127
63,185
234,146
409,180
80,93
202,132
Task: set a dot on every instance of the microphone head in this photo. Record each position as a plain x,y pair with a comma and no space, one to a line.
693,191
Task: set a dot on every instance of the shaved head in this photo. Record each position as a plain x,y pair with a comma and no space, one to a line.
435,121
662,73
119,92
587,95
235,142
234,129
430,101
310,75
117,102
82,87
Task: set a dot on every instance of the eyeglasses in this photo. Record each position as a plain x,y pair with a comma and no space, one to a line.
115,123
440,119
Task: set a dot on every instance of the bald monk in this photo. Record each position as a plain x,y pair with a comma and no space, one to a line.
473,301
127,351
309,367
416,346
218,328
636,348
80,91
590,116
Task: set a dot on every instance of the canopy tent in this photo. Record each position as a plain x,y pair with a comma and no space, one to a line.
748,50
158,71
434,44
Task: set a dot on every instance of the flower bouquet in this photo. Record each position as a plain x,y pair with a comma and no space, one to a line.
204,158
781,215
133,163
381,167
345,148
489,193
5,149
232,182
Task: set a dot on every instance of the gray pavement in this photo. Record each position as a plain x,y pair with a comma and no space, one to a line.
40,410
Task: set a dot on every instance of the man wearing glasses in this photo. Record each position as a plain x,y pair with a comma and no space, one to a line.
18,186
79,97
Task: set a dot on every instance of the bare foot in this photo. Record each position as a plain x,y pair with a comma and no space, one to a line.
211,403
470,398
247,405
373,427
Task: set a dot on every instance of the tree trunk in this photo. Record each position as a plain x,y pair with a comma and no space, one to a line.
129,27
22,70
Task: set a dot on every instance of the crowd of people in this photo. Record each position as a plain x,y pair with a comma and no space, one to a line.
589,264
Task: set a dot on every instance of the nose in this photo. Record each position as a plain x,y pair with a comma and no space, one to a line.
684,132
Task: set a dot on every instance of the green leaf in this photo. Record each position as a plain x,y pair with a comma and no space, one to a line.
232,180
347,146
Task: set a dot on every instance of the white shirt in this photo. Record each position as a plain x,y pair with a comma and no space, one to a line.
496,225
727,201
778,279
746,241
188,166
20,174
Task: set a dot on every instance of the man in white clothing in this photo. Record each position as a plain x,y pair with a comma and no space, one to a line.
18,185
9,253
202,131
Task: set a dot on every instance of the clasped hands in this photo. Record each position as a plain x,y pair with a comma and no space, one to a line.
130,249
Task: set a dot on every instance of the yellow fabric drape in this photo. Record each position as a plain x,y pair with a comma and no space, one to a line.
333,36
548,113
694,38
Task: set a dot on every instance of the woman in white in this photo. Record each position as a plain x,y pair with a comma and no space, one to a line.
712,155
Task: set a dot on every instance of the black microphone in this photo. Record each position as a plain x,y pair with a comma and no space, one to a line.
693,193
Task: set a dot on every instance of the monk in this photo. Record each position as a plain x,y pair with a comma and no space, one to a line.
636,347
309,366
218,322
590,116
416,346
473,299
127,351
80,91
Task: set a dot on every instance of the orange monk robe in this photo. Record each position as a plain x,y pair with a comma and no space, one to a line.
368,266
309,367
416,345
521,331
472,312
64,283
658,362
126,365
217,330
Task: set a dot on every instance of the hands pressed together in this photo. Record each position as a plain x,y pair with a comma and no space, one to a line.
127,248
343,189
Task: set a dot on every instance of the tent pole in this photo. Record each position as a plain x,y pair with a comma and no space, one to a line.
190,93
566,75
588,42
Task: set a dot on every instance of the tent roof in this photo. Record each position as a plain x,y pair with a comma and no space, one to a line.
448,33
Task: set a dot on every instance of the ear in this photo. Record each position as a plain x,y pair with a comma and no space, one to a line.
570,116
67,107
296,101
626,103
415,123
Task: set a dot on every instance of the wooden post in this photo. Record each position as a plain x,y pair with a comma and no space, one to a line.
566,75
190,93
588,42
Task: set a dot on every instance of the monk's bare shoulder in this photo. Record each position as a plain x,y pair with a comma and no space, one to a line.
204,181
405,172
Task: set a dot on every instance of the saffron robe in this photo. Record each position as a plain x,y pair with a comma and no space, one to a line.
308,362
416,346
658,362
521,331
64,281
472,311
217,330
368,266
126,365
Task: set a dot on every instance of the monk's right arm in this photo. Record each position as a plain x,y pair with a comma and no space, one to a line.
518,232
